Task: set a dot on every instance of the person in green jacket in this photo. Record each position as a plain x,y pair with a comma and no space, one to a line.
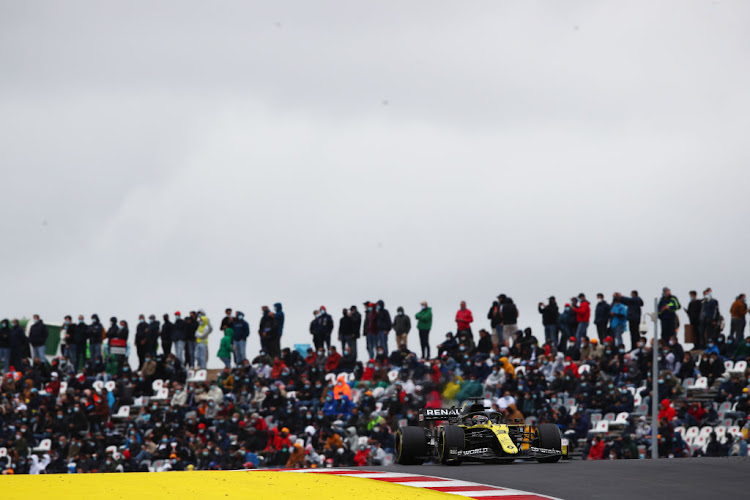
743,350
424,325
225,348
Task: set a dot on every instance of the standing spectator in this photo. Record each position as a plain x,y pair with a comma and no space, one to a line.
241,331
225,348
550,315
583,316
509,313
18,345
634,304
356,318
317,337
166,335
152,336
694,316
496,321
278,314
464,319
738,312
265,327
141,340
227,320
201,339
424,325
346,330
619,315
384,325
402,327
116,335
5,345
668,307
567,325
79,337
326,326
709,316
191,328
179,337
38,338
96,337
66,337
601,317
371,329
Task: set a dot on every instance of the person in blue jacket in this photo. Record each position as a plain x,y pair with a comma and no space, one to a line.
279,315
634,304
618,318
239,337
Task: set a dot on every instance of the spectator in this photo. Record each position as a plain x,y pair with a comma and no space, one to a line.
582,308
141,339
668,307
550,316
601,316
225,347
709,316
634,304
384,325
201,339
567,325
96,338
179,337
464,319
371,329
241,331
5,345
356,318
166,335
424,325
509,313
694,317
619,316
402,327
738,311
152,336
38,338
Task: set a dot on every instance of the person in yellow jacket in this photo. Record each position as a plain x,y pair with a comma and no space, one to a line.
509,368
201,339
451,388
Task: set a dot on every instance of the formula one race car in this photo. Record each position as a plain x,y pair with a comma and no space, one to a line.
473,433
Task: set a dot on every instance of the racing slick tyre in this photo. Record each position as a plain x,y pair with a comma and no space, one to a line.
411,445
549,437
452,436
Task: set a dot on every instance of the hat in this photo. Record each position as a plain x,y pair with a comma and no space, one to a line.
173,455
53,375
201,425
608,339
594,341
285,429
242,424
572,339
745,390
177,313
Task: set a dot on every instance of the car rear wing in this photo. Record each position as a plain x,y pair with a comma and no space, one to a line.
432,414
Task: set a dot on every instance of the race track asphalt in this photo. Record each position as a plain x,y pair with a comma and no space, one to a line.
683,479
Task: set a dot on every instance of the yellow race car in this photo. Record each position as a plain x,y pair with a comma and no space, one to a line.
474,433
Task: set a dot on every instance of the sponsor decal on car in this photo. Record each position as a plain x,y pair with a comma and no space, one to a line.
476,451
441,412
543,450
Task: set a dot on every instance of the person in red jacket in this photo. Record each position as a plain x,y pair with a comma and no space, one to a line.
332,361
362,456
464,319
666,410
596,452
583,316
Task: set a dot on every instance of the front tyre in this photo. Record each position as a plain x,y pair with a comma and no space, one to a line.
550,438
451,438
411,445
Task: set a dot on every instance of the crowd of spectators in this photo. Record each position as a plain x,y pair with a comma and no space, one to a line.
89,410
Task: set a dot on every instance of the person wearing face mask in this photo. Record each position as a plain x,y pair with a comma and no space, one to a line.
402,327
738,311
424,325
141,339
79,334
152,335
566,323
384,325
5,345
166,335
709,316
634,304
371,328
601,316
668,307
66,337
241,331
618,318
38,339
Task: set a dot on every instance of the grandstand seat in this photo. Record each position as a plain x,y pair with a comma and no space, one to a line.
601,426
98,385
721,432
734,430
595,417
621,420
691,432
110,386
520,370
570,401
700,442
688,382
63,387
726,422
200,376
610,417
584,369
725,406
161,395
739,367
706,431
122,413
641,409
572,409
190,375
291,395
139,401
700,383
392,375
728,365
681,430
44,446
157,384
631,390
637,399
3,452
379,406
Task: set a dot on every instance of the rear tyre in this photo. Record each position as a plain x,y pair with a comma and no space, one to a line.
550,438
452,437
411,445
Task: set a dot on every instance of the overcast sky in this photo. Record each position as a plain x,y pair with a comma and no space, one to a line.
174,155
